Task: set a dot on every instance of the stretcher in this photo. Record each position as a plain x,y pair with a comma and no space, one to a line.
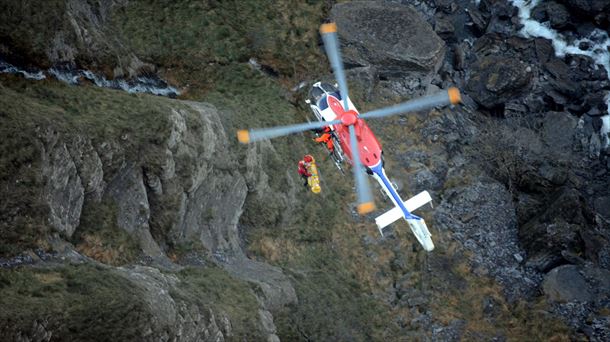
314,180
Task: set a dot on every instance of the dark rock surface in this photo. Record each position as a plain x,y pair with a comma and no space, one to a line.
392,37
495,79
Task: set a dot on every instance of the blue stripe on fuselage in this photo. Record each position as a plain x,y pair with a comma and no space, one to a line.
378,170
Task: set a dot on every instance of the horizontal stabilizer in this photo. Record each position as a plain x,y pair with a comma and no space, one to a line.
394,214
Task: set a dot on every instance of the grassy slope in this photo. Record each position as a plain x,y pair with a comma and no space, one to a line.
28,109
76,302
88,303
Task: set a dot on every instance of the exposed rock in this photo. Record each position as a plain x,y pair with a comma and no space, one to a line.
443,27
575,291
558,131
172,316
276,289
496,79
483,218
128,192
89,166
556,229
587,8
553,12
392,37
64,192
478,19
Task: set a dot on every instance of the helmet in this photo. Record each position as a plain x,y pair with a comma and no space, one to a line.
308,159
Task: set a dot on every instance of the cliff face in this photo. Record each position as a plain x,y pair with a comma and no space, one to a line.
150,201
182,188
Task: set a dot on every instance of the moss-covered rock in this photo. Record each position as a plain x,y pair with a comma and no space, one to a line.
92,303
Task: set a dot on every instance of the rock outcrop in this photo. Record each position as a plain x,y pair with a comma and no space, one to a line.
393,37
181,188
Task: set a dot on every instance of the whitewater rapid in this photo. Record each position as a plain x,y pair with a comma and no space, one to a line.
74,76
597,47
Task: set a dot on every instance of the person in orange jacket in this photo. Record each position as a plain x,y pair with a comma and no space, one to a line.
326,138
303,168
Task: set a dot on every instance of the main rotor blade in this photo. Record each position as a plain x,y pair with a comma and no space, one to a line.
247,136
331,45
363,189
450,96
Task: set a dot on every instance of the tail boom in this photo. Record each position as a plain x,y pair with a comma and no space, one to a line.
403,209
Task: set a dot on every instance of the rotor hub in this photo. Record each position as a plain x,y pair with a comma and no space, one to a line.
349,118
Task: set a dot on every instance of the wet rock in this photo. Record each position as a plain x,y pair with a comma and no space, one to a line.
587,8
558,131
544,49
392,37
555,13
496,79
556,229
602,206
478,19
444,27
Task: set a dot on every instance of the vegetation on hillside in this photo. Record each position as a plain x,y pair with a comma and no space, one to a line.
94,303
339,268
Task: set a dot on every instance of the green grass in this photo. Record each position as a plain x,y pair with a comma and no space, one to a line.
196,34
333,305
28,29
89,303
98,236
216,289
32,112
77,303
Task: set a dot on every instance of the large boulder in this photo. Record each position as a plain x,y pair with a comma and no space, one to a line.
392,37
496,79
566,284
556,230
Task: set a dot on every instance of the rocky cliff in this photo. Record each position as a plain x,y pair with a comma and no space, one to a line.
137,217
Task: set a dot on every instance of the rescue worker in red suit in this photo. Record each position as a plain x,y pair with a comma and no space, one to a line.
303,168
326,138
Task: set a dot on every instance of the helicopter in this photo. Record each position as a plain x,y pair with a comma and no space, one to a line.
334,109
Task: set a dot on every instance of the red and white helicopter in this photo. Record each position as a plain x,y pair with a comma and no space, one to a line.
334,109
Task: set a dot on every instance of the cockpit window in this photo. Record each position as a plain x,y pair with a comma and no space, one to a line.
316,93
323,103
328,88
319,94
